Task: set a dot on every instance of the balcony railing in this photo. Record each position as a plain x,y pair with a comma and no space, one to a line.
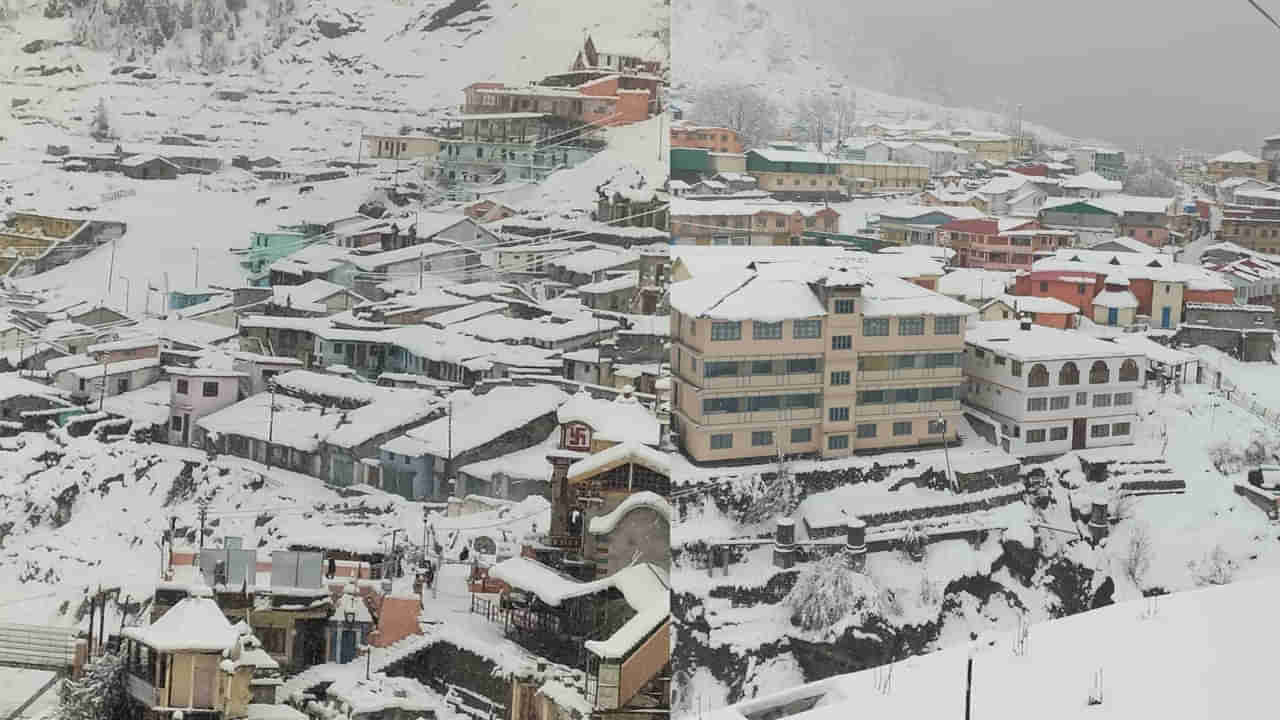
908,374
918,408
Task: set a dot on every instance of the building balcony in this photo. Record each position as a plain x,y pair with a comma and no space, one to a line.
907,375
878,410
759,417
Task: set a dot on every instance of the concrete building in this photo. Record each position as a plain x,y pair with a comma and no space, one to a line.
1046,311
813,359
711,139
196,392
787,171
1271,156
920,224
1253,227
1043,391
1246,332
404,147
744,222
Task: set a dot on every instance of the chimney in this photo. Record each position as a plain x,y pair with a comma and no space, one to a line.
1024,322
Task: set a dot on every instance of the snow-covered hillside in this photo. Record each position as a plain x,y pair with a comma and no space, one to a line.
787,51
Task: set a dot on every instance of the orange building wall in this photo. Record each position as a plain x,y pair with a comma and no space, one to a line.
1224,297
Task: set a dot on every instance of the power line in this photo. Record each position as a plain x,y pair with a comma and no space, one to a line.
1265,14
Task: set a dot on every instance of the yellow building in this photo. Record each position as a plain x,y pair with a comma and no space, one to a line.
188,659
765,363
866,176
1237,163
401,146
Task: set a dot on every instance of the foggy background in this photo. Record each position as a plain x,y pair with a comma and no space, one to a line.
1162,73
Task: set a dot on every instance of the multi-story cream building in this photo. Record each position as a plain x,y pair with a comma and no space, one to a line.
809,358
1049,390
1237,163
737,222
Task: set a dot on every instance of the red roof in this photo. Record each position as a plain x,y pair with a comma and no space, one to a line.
982,226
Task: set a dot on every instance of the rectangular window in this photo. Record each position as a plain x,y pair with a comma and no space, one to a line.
838,414
764,403
1015,368
841,342
840,377
906,362
209,389
761,438
1060,403
875,327
1058,433
1120,429
807,401
1037,404
906,395
766,331
944,393
902,428
838,442
175,423
726,331
720,368
1125,398
1082,398
715,406
337,347
844,306
1102,400
945,360
871,397
867,430
804,329
722,442
1035,436
802,366
1100,431
937,427
801,435
1000,359
1044,286
911,326
762,367
182,387
946,325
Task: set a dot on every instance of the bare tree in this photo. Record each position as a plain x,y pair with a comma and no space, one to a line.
1136,560
740,107
1216,568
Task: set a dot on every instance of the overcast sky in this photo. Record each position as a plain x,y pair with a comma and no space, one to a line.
1162,72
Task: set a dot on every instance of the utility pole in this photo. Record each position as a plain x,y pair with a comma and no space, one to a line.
968,689
394,565
448,465
93,609
421,256
111,268
271,420
102,396
197,250
102,620
127,287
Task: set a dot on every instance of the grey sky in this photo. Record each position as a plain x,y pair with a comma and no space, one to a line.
1162,72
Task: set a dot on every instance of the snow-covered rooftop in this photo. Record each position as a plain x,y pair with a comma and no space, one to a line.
477,419
1008,338
1235,156
619,420
1032,304
195,624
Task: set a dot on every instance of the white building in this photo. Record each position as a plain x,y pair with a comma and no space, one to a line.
1048,390
196,392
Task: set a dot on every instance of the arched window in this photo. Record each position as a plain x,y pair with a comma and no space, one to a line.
1099,373
1129,370
1069,374
1038,377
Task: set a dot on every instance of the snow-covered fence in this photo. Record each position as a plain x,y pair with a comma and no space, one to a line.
37,646
118,195
1238,397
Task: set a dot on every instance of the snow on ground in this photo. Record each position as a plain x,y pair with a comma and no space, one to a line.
1258,380
18,685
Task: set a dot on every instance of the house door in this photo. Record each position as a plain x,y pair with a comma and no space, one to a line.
206,682
1113,316
186,430
348,647
1164,317
1078,429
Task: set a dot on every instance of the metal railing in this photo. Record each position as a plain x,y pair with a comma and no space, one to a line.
37,646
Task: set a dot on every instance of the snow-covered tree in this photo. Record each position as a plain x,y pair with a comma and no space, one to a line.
828,592
100,126
1216,568
1136,560
99,694
740,107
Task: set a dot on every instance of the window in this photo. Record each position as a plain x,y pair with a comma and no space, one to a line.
1120,429
1100,431
1062,402
1015,368
802,366
946,325
1128,371
902,428
1058,433
1000,359
807,401
867,430
721,368
838,442
1039,376
802,329
1044,286
1080,289
871,397
209,389
801,435
1123,398
761,367
715,406
1069,374
906,395
838,414
1035,436
1082,398
906,362
122,386
726,331
844,306
911,326
944,360
722,442
1037,404
1099,373
841,342
182,387
763,403
175,423
337,347
1102,400
943,393
937,427
766,331
761,438
840,377
875,327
